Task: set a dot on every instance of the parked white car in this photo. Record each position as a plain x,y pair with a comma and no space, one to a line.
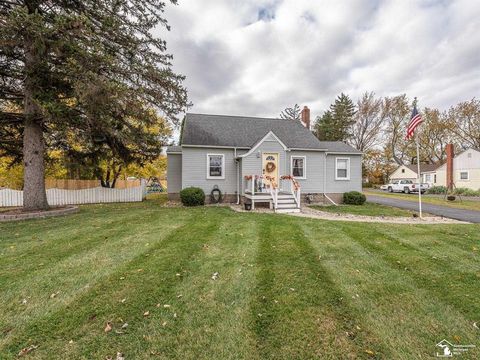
406,186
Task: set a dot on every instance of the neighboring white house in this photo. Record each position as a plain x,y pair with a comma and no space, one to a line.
465,170
409,172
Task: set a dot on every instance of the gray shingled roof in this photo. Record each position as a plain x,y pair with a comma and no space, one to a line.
425,167
245,132
174,149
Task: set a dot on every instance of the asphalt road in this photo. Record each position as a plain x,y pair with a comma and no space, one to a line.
445,211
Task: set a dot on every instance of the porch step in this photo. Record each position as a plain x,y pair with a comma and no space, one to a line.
286,201
286,204
284,196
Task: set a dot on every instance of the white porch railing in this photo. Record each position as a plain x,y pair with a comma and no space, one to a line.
257,187
289,184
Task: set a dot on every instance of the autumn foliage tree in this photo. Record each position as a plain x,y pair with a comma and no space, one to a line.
89,72
368,122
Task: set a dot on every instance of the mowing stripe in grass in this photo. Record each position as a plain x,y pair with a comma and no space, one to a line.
22,255
463,241
85,243
70,277
298,311
443,247
213,315
83,319
439,277
408,318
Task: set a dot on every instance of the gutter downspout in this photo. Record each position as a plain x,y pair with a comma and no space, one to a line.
237,163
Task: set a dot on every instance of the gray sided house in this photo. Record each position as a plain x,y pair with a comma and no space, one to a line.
254,160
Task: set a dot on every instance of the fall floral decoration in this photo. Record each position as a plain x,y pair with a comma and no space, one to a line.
270,167
295,183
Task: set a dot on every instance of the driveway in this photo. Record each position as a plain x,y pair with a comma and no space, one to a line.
458,214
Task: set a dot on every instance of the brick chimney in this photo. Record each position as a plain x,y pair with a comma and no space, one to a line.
450,155
305,119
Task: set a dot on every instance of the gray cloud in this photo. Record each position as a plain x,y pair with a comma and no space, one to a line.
257,57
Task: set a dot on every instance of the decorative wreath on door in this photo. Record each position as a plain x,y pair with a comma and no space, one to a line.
270,167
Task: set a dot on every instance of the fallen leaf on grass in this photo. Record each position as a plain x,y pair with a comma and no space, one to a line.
27,350
166,306
215,276
120,356
124,326
24,301
164,324
146,313
457,338
123,301
122,277
108,327
370,352
54,294
71,342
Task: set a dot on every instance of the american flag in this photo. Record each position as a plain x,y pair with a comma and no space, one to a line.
415,120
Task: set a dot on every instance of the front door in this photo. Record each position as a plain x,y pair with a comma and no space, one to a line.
270,167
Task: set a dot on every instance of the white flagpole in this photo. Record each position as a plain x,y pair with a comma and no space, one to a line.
419,178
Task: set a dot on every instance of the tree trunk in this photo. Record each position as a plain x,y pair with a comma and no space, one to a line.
34,193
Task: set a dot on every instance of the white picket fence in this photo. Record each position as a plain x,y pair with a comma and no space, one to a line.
9,197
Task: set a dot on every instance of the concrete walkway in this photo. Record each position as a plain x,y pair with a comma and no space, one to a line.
311,213
439,210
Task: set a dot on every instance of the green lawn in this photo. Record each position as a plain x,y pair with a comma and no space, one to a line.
288,287
431,199
367,209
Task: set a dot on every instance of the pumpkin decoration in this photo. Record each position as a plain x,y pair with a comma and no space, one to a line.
270,167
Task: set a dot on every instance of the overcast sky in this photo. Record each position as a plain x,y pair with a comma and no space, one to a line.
258,57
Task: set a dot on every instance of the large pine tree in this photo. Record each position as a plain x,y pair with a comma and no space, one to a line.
87,71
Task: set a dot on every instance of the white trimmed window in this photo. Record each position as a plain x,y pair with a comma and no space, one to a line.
215,166
342,168
464,175
299,167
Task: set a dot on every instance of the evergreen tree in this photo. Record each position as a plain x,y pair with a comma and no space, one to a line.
86,71
324,127
335,124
